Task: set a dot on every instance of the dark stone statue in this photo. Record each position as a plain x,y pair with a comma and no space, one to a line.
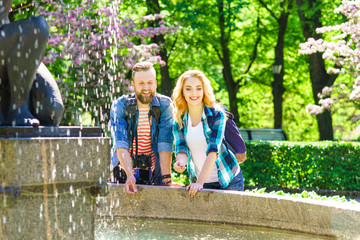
29,95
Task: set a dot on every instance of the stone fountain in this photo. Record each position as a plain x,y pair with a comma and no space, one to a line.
53,179
49,175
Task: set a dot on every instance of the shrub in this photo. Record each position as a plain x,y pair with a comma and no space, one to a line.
310,165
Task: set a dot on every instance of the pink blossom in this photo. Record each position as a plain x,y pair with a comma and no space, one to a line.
314,109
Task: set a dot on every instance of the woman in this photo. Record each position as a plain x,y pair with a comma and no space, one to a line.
197,145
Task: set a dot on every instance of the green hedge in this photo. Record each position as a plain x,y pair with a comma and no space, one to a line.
309,165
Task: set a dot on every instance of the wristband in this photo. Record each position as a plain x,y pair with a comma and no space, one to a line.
165,176
165,183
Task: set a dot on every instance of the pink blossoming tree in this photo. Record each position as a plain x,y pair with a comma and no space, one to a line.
343,50
91,50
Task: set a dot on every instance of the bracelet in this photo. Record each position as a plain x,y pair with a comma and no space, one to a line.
165,183
166,176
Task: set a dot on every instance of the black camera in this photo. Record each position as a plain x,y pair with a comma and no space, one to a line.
142,161
142,168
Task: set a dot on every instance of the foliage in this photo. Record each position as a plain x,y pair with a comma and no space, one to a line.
306,195
91,50
306,165
310,165
192,47
341,49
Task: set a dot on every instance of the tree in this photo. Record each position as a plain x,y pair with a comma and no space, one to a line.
92,48
310,15
343,51
216,22
278,83
153,8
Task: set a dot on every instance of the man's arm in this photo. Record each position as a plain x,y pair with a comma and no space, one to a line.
165,140
165,165
126,164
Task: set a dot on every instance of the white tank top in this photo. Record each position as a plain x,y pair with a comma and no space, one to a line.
197,145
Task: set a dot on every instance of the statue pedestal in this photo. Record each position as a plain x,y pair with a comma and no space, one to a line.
46,155
49,179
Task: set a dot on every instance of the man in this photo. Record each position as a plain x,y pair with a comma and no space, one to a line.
139,133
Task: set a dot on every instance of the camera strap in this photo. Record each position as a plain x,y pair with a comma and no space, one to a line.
136,143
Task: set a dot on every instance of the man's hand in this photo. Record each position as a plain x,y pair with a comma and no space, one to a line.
241,157
130,184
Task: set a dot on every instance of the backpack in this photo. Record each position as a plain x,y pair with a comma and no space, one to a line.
232,136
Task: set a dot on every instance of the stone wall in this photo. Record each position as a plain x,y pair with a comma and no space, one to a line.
317,217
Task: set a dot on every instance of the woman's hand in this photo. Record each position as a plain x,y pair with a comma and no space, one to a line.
181,161
194,188
179,167
241,157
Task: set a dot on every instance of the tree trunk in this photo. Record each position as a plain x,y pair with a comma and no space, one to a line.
319,77
230,83
278,83
166,84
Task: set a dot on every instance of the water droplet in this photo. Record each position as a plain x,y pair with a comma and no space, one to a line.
53,174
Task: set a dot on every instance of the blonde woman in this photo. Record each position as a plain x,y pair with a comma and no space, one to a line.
198,146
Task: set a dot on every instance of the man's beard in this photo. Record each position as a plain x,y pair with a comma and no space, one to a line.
144,99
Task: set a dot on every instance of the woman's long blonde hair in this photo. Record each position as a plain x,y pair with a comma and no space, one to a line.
180,104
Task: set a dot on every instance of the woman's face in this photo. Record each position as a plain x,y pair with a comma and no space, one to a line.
193,91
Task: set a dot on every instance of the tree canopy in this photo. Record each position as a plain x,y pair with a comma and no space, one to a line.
93,45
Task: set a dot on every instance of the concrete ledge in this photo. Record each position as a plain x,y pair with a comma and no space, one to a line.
285,213
43,131
48,160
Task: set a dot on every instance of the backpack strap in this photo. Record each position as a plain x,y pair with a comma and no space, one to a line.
130,112
156,111
130,107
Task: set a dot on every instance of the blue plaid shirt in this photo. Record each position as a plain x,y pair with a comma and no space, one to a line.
226,162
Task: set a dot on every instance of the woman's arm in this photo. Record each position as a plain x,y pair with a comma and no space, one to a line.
205,171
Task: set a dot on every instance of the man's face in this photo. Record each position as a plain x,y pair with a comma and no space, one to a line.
145,86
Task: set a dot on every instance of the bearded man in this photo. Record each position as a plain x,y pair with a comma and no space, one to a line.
141,130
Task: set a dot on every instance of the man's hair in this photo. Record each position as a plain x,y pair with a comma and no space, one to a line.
141,67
